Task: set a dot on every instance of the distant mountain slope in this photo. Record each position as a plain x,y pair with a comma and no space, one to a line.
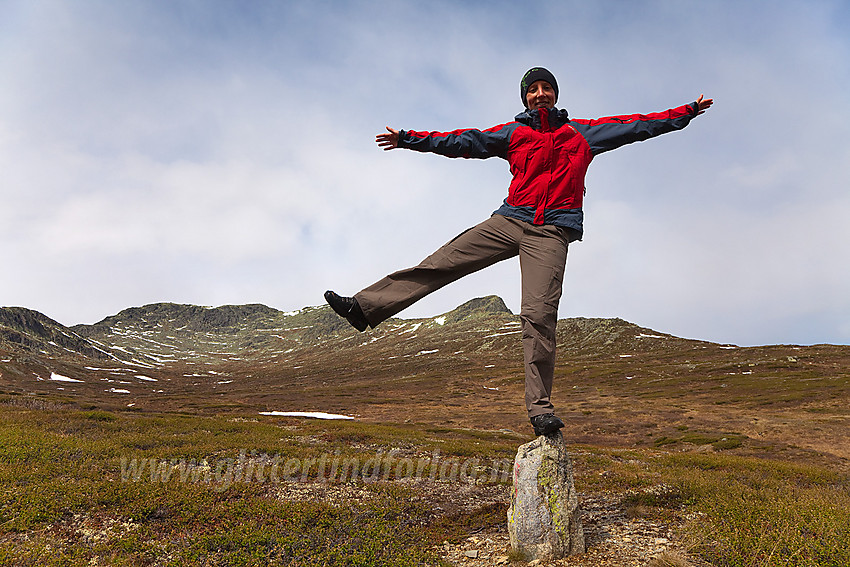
31,331
615,382
190,317
169,337
172,330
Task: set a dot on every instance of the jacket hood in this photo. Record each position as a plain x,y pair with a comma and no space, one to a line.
557,117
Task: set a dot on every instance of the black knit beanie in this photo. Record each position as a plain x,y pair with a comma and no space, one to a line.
536,74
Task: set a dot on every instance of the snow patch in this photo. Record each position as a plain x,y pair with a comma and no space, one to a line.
501,334
117,391
313,414
440,320
413,329
427,351
147,378
60,378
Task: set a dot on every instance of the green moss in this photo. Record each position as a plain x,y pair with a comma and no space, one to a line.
729,442
98,415
699,438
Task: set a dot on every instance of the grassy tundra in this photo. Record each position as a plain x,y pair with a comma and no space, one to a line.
85,487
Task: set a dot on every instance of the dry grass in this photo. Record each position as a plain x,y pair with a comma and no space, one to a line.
669,559
65,502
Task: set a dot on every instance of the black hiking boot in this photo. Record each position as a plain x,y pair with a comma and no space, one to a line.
546,424
348,308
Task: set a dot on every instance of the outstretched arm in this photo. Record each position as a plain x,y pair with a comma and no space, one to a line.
611,132
463,143
703,104
388,140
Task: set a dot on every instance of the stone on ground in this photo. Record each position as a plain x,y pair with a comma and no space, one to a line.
544,520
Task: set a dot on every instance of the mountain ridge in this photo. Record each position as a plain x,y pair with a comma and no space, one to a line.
616,383
107,339
172,342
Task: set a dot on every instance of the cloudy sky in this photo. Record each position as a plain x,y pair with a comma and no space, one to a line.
222,152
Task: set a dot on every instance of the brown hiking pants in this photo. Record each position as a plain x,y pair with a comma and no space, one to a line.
542,251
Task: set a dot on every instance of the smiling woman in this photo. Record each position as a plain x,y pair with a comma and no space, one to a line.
539,89
540,95
548,153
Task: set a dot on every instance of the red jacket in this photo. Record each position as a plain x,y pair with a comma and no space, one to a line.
548,155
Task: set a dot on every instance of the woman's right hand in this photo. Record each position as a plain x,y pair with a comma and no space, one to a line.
387,140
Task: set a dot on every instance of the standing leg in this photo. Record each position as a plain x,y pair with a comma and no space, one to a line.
491,241
543,257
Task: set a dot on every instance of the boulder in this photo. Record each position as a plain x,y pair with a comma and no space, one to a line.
544,520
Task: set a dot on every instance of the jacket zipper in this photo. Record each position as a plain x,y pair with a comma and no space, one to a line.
550,151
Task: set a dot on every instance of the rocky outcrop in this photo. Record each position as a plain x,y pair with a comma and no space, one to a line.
29,330
544,520
190,317
478,308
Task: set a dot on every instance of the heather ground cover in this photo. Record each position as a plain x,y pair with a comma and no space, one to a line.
83,487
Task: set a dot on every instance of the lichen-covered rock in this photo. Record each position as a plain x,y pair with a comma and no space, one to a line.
544,520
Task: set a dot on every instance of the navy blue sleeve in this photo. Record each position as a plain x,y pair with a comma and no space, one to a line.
465,143
605,134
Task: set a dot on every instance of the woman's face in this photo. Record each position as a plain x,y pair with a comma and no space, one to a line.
540,95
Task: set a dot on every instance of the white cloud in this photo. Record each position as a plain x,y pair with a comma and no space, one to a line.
224,153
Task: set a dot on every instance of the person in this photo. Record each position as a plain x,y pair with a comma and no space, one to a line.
548,153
